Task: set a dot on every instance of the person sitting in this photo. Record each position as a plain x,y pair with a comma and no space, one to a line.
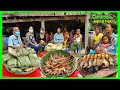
74,47
66,37
96,40
78,38
47,37
42,38
14,41
71,36
51,36
58,37
109,30
105,44
30,40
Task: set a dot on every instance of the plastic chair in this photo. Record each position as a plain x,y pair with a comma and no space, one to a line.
6,40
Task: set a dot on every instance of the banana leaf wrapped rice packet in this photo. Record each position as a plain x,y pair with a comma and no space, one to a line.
24,61
34,60
16,70
6,57
13,52
31,51
12,63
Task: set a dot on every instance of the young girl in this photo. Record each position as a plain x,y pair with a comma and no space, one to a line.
105,44
74,47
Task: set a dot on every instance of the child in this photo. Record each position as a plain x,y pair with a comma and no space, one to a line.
74,47
105,44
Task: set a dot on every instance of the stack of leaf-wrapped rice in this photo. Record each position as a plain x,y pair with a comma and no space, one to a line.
52,46
21,61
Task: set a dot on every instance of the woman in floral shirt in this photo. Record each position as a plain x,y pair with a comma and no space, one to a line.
109,30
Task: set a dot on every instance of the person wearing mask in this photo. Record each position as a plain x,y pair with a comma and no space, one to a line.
58,37
42,38
14,40
30,39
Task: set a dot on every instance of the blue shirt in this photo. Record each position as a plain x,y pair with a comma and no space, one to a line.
58,38
13,41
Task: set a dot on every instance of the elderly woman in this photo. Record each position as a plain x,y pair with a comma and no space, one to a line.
78,39
30,40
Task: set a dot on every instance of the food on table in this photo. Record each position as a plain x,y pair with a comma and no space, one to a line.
90,64
34,60
12,63
31,51
25,62
16,70
98,61
6,57
21,51
13,52
57,64
52,46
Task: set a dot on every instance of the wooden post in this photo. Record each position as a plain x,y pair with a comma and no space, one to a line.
86,30
43,24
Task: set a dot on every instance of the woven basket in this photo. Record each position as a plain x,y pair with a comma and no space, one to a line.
75,63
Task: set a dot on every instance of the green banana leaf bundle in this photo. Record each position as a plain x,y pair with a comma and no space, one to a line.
16,70
24,61
52,46
12,63
25,52
34,60
13,52
31,51
28,69
20,50
21,61
6,57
